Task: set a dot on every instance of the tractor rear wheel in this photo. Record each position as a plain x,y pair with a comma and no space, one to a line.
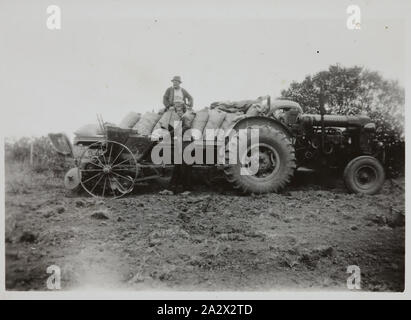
275,158
364,174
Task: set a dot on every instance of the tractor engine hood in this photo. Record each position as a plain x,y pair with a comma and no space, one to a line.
334,120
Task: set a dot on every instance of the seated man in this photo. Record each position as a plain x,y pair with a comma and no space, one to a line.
176,94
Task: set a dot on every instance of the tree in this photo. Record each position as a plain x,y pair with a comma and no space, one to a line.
351,91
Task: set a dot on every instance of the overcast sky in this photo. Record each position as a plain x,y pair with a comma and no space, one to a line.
111,57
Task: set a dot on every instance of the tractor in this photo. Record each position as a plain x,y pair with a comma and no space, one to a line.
289,139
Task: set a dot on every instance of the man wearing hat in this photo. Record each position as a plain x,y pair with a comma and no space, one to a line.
180,100
176,95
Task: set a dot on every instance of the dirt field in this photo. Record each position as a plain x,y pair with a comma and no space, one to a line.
211,239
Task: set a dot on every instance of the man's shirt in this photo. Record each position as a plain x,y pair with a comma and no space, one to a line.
178,95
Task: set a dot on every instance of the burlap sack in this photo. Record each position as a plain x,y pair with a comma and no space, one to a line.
130,120
253,111
168,118
89,130
215,119
188,118
231,119
258,109
200,120
146,124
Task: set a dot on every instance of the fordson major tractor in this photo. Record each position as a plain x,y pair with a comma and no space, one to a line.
112,163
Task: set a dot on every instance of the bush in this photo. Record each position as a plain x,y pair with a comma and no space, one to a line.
352,91
44,158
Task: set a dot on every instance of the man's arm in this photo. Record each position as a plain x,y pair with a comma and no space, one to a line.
166,102
189,98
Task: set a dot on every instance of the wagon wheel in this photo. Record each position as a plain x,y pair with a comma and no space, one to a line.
107,169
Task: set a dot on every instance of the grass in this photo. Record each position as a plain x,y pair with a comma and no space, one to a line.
21,178
21,181
32,164
38,152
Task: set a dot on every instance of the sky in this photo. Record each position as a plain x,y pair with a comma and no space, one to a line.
112,57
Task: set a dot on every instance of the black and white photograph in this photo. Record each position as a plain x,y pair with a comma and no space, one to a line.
198,147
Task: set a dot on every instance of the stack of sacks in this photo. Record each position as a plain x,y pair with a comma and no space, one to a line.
145,126
221,115
200,122
215,120
233,106
250,107
130,120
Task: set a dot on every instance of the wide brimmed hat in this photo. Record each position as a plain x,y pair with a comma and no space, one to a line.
176,78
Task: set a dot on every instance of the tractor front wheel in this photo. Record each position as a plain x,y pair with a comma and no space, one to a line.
364,174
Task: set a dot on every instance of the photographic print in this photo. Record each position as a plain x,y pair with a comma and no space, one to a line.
213,146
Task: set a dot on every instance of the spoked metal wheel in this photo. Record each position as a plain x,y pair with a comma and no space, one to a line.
107,170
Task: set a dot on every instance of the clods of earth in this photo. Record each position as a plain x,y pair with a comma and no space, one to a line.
212,238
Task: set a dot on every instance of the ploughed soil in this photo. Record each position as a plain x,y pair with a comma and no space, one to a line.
210,239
